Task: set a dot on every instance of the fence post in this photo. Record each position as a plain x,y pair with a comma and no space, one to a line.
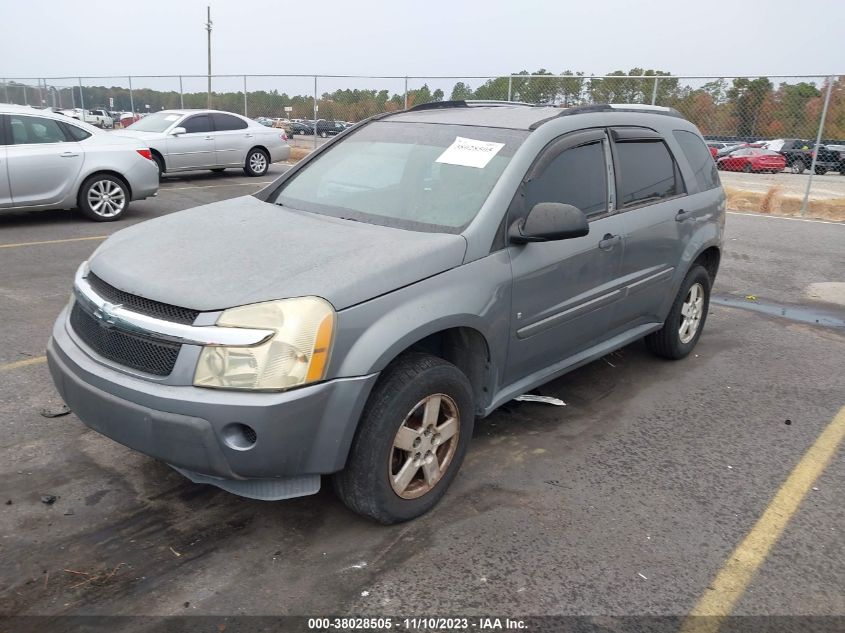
406,92
245,114
181,94
315,111
510,87
6,89
131,98
81,102
816,149
25,101
654,91
40,95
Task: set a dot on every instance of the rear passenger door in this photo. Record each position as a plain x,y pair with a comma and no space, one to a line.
232,139
195,148
563,291
5,191
657,221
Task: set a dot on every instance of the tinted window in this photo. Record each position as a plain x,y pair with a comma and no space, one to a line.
197,123
647,172
224,122
76,133
699,159
33,129
576,176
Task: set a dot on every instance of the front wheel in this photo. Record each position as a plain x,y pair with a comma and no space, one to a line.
412,438
103,198
257,162
683,326
821,171
797,167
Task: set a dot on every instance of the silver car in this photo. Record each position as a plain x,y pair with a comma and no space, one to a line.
182,140
50,161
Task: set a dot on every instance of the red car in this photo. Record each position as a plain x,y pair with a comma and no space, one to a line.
751,159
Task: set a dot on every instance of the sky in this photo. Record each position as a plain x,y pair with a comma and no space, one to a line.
464,38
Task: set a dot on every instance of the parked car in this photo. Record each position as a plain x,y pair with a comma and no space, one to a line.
840,151
301,128
50,161
752,159
354,318
97,118
329,128
263,120
183,140
799,155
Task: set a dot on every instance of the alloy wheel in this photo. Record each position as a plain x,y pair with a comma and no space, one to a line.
258,162
106,198
424,446
691,312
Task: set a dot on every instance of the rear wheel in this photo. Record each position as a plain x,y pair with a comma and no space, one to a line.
103,198
821,171
411,440
683,326
257,162
797,166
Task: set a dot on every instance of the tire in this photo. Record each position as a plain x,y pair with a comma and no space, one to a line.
257,162
747,168
821,171
797,166
369,483
667,342
159,161
323,135
103,198
218,170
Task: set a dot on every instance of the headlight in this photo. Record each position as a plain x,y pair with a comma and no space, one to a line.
296,354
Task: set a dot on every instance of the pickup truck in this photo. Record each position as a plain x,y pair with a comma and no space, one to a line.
98,118
799,155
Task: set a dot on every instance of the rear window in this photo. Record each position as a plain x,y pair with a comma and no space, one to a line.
417,176
699,159
647,172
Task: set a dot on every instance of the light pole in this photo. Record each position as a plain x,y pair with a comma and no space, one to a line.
208,28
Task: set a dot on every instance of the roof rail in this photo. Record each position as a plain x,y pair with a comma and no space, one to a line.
611,107
465,103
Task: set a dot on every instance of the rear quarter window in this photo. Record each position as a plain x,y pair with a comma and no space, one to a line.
699,159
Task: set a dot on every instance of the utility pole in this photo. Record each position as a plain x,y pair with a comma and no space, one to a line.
208,28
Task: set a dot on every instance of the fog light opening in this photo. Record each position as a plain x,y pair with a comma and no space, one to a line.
240,437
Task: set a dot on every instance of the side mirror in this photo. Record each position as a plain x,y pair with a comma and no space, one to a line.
178,130
548,221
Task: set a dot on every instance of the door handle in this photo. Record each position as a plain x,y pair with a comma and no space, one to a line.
609,241
683,215
68,154
209,138
248,135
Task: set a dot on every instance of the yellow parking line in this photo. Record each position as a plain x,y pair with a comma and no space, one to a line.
70,239
736,574
36,360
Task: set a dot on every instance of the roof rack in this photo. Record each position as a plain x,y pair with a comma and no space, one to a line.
611,107
466,103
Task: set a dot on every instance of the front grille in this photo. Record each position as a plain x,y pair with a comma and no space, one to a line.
137,352
141,305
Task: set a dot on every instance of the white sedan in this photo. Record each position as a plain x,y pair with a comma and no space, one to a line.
183,140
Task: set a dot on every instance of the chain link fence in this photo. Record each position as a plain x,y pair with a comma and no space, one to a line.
808,111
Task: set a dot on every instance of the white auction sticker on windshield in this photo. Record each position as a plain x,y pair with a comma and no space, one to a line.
171,117
468,152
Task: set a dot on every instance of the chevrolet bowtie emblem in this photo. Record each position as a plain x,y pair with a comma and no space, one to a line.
105,313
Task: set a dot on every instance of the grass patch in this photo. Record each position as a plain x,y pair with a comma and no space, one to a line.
774,202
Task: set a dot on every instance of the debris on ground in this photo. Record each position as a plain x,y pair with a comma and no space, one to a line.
55,412
641,576
175,553
527,397
751,297
48,499
69,512
97,578
8,502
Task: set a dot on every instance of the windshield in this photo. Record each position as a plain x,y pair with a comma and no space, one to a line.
157,122
419,176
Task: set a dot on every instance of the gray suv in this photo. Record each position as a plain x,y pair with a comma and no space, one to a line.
355,317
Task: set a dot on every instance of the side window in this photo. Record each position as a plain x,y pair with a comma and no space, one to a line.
197,123
699,158
32,129
576,176
226,122
647,172
76,133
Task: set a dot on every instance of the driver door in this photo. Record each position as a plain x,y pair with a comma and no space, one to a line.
564,291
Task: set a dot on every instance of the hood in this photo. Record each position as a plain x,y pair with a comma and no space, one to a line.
243,250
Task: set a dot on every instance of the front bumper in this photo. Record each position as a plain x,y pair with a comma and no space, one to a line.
305,431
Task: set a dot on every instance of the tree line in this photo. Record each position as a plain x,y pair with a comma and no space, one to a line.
740,107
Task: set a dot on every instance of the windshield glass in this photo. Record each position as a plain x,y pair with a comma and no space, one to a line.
157,122
419,176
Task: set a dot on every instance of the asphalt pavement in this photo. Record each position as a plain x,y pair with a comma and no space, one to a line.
630,500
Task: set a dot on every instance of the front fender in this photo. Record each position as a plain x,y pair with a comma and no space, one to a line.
476,295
